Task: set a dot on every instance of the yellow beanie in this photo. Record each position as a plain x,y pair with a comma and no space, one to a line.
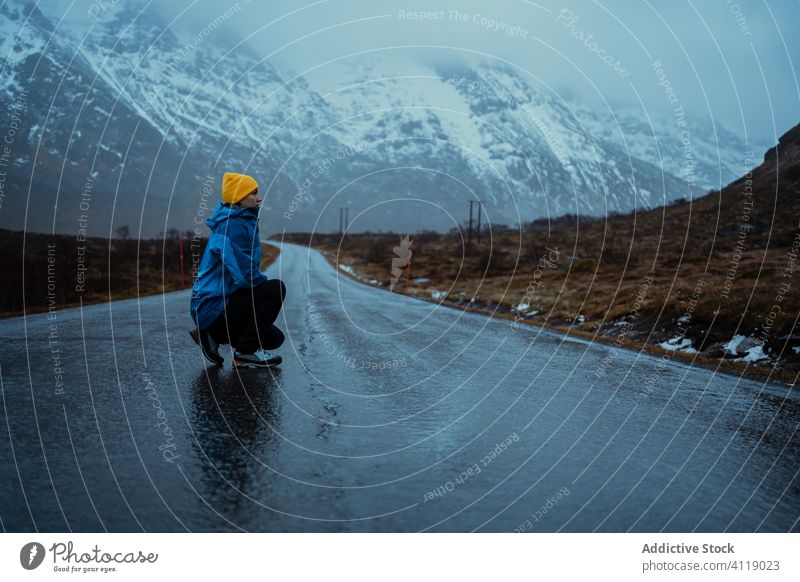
236,186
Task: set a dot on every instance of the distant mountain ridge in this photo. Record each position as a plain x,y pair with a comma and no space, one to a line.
404,145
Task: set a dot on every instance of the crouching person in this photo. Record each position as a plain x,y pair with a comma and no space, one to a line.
233,302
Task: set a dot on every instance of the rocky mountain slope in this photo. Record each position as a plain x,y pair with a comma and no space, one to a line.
124,125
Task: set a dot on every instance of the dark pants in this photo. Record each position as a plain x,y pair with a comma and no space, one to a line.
247,322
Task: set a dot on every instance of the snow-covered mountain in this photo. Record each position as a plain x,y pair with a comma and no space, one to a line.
709,153
77,154
119,112
115,117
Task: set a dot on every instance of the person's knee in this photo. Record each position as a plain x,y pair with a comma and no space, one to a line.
277,286
272,339
268,290
278,335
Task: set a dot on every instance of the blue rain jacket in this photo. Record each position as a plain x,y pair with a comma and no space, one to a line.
231,261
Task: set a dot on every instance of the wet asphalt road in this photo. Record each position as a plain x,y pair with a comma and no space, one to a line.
388,414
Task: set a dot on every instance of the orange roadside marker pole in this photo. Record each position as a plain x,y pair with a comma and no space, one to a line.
408,267
180,250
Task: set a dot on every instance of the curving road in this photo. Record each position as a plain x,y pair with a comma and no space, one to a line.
388,414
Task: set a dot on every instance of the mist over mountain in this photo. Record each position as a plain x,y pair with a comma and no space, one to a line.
126,118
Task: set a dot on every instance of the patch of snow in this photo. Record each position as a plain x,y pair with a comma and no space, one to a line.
522,307
438,294
755,354
679,343
347,269
733,343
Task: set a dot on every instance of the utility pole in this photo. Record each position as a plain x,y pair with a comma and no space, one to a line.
469,236
479,203
480,210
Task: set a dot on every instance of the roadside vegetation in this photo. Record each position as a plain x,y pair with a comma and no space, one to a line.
713,280
43,271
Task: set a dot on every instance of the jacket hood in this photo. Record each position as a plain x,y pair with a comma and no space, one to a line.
224,212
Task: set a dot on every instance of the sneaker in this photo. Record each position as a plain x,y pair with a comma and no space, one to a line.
208,346
260,359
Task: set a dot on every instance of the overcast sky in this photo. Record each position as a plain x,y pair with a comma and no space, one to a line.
735,60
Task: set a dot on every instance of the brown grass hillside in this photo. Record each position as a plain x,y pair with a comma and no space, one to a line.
704,271
61,271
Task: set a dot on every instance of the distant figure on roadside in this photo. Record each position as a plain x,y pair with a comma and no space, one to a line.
233,302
